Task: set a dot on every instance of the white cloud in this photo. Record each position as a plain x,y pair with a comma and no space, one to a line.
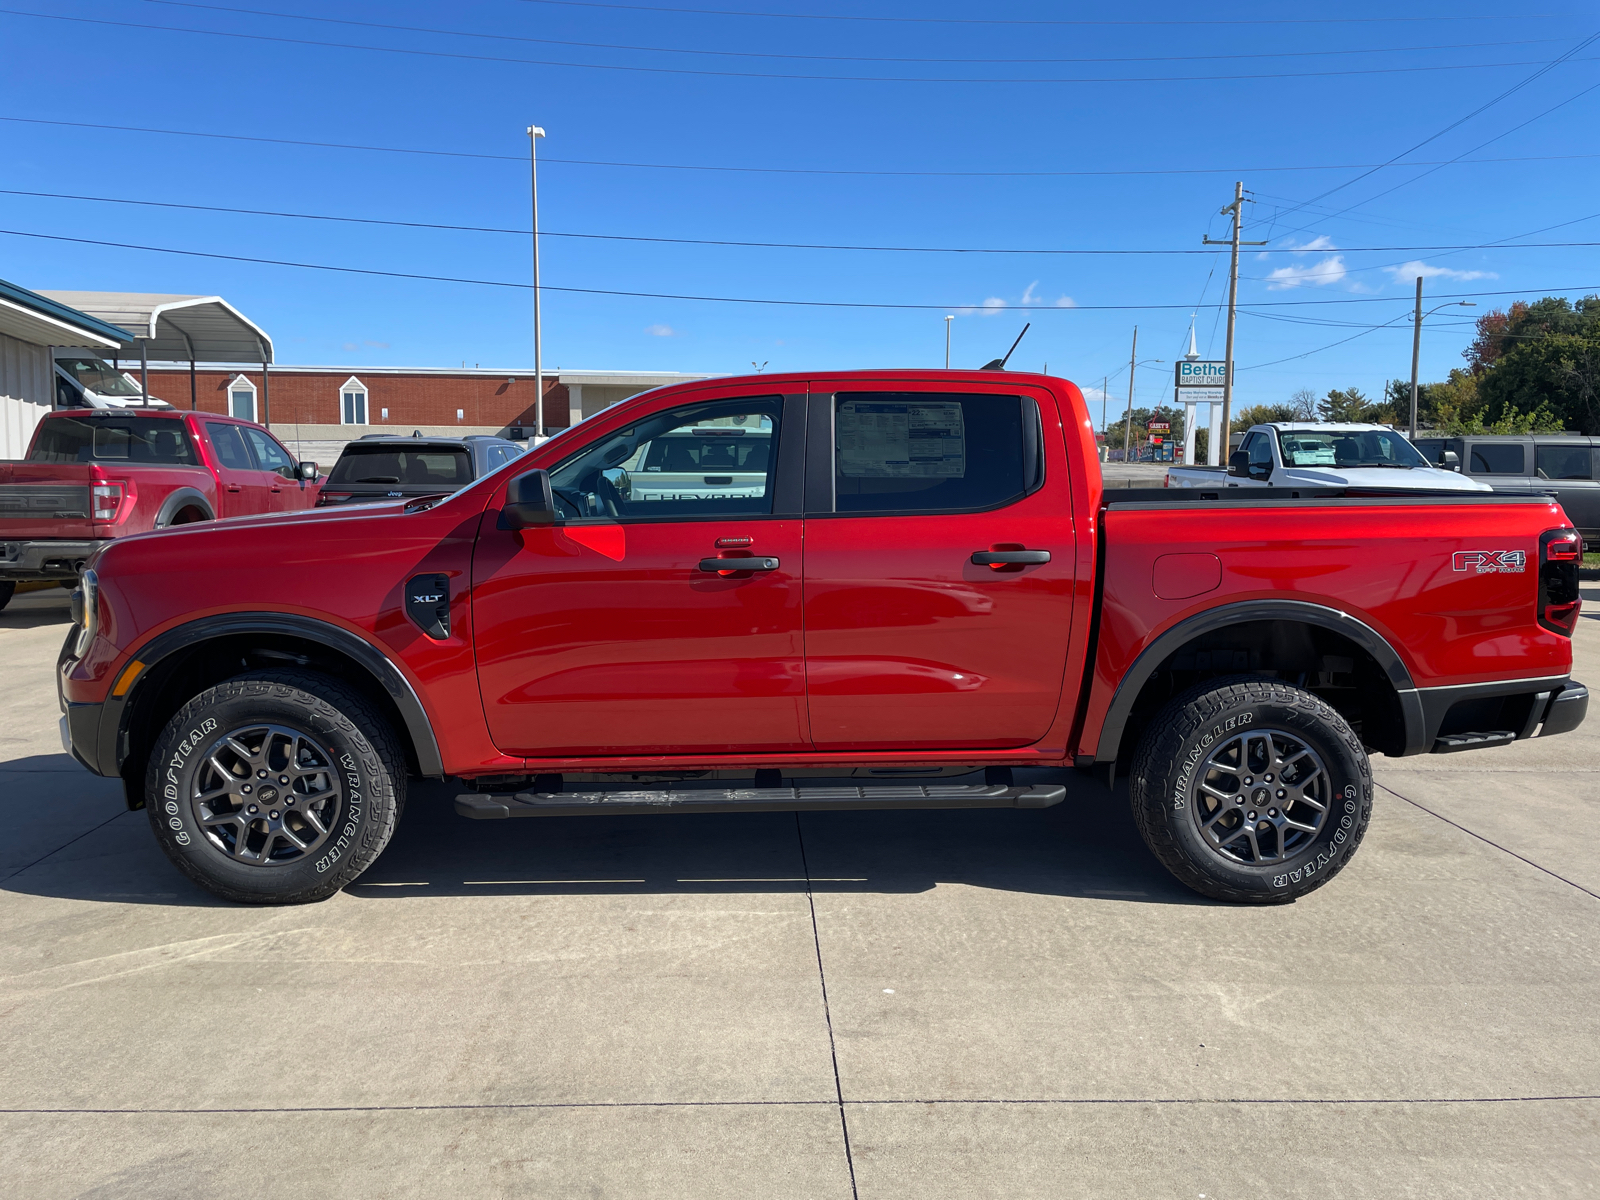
1319,243
1066,302
1407,272
994,305
1027,296
350,346
1317,274
661,331
377,345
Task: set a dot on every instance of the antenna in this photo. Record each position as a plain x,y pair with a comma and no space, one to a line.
999,364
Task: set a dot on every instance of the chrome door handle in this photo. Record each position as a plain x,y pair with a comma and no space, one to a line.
1003,558
726,566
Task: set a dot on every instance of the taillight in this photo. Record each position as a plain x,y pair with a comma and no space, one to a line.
105,500
1560,551
332,497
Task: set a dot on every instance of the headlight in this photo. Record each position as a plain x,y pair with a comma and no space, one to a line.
86,611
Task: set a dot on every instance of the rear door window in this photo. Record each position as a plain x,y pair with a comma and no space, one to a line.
930,452
1564,462
225,440
1498,458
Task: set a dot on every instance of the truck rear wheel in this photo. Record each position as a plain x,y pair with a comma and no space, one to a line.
1251,790
277,787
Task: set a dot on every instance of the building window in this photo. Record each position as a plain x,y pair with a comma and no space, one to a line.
242,399
353,402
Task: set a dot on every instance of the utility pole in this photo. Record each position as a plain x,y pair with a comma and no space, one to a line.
534,134
1105,383
947,321
1127,432
1416,352
1237,211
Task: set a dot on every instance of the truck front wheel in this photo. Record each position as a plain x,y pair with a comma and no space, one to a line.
1251,790
277,787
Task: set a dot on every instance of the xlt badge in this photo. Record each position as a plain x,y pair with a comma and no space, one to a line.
428,604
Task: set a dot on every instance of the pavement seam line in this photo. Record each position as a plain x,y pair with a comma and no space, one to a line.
827,1015
65,844
1489,842
582,1104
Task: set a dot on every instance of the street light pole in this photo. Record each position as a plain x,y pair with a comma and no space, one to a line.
1416,345
534,134
947,321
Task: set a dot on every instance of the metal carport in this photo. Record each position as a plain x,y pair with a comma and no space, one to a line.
179,329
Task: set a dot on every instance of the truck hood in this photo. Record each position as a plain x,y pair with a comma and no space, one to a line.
1429,478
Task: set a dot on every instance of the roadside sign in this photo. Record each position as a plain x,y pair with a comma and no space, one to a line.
1199,381
1158,426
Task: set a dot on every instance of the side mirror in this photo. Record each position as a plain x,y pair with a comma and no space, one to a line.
1238,463
529,501
1450,460
307,471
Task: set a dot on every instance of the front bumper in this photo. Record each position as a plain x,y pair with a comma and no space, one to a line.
46,558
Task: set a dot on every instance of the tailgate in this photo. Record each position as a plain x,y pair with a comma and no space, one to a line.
39,500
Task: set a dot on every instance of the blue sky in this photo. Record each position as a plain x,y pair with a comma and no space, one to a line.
970,128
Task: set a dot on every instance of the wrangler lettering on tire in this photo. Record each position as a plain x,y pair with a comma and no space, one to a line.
1251,790
277,787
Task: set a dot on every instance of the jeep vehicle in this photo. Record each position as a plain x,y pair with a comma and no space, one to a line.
383,466
1564,465
926,590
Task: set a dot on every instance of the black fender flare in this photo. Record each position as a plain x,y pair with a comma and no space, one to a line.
1302,611
180,500
113,746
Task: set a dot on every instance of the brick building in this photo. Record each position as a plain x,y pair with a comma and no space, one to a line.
337,404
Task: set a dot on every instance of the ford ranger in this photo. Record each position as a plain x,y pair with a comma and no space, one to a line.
914,589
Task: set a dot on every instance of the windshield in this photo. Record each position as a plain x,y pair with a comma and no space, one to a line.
442,468
1347,448
98,376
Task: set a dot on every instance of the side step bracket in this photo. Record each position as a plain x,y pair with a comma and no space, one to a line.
490,807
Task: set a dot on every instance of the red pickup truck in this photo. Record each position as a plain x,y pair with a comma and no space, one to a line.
856,590
93,475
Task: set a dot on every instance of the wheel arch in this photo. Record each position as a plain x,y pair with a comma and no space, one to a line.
184,661
1379,658
183,498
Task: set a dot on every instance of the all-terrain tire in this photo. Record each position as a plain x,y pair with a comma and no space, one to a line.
1204,773
8,589
337,757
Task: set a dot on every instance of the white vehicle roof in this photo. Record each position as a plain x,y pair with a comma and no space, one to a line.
1330,426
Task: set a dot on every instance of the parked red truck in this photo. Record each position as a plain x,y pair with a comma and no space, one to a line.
93,475
845,590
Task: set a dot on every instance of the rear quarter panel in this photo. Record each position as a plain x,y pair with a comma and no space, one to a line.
1390,564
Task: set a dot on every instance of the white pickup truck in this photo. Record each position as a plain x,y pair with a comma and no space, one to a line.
1324,454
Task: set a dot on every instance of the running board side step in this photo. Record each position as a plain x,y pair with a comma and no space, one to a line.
1454,743
490,807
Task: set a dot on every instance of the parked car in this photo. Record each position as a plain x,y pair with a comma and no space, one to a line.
92,475
928,582
1323,454
1566,466
383,466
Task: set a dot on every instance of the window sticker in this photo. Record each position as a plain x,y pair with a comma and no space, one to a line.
901,441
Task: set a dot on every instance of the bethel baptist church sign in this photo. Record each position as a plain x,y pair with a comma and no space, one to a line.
1199,382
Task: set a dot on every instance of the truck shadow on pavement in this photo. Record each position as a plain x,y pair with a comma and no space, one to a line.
1085,847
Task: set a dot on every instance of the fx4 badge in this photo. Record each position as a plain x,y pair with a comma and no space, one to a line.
1490,562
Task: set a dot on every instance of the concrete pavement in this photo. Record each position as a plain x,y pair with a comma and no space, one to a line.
874,1004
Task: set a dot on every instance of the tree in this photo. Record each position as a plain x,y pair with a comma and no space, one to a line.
1263,414
1304,404
1350,405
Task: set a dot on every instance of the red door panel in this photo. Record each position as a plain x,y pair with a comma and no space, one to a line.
609,639
909,644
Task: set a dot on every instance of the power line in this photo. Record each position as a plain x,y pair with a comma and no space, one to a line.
699,71
682,241
718,12
511,37
521,160
1484,107
961,308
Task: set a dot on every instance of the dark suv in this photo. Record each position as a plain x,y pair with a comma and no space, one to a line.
1565,465
381,466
